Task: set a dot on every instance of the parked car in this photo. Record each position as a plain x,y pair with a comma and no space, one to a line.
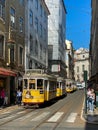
79,86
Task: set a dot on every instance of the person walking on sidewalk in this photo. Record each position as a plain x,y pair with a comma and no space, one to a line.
91,101
6,98
88,95
19,97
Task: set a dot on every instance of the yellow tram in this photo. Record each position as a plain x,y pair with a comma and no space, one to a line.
38,87
70,86
60,87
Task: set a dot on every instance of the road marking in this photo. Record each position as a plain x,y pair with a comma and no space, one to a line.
44,114
26,116
55,117
71,117
5,118
21,112
5,112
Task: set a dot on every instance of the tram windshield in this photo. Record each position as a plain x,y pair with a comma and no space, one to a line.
31,83
39,83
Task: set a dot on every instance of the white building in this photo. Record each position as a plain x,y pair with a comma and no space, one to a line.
81,63
36,34
69,59
56,36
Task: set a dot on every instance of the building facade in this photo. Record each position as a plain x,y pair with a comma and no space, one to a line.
69,59
56,37
12,44
94,43
36,34
81,63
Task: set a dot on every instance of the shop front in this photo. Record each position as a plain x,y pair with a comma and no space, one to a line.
8,83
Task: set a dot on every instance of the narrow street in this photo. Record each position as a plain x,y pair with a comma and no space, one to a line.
62,114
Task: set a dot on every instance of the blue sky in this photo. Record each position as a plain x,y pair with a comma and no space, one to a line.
78,22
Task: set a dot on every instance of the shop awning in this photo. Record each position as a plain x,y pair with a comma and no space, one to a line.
7,72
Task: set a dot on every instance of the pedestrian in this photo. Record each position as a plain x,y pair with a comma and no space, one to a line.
6,99
88,95
19,97
2,96
91,100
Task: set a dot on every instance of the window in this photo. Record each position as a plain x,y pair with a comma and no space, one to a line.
1,45
25,81
21,2
41,11
36,48
39,83
36,24
45,35
45,17
36,4
20,55
40,51
12,54
30,64
31,17
32,84
83,56
12,17
1,10
83,68
21,24
44,54
77,68
40,30
31,44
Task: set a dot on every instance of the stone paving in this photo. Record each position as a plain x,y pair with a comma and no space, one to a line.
91,117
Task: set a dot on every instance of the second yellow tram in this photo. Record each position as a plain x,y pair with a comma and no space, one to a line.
61,88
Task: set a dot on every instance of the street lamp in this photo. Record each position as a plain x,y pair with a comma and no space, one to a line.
10,45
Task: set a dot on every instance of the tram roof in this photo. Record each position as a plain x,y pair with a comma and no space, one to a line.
39,76
60,79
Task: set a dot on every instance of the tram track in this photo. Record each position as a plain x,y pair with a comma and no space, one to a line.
62,108
64,104
27,111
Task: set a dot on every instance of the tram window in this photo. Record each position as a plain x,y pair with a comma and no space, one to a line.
39,83
25,84
52,85
31,83
57,85
31,86
45,85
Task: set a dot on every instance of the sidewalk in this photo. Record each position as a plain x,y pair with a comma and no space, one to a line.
91,117
6,108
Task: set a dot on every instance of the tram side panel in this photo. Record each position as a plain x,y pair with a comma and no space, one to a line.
60,89
50,92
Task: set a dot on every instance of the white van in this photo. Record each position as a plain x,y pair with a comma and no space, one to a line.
79,86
